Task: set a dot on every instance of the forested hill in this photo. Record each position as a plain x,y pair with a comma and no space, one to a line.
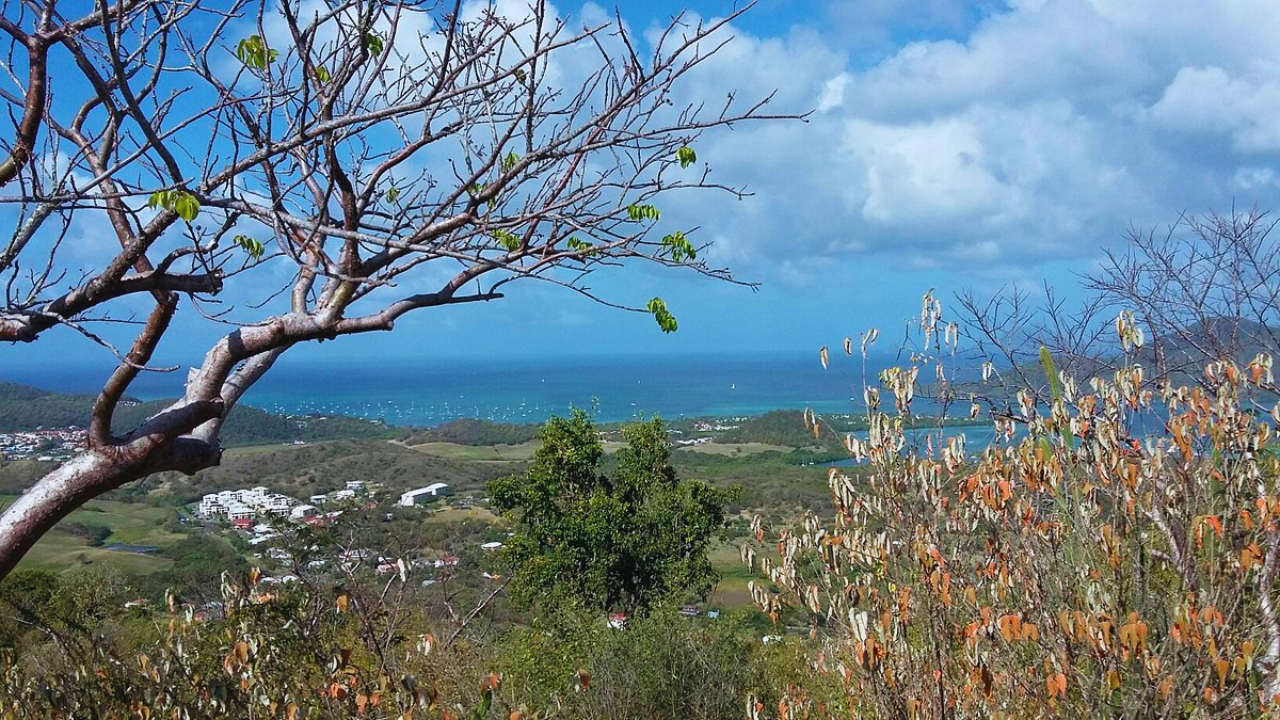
27,408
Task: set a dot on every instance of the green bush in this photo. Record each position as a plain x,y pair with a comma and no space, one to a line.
661,667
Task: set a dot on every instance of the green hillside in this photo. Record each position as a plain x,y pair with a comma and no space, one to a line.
307,470
27,408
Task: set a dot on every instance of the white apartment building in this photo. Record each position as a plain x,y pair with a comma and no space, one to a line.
245,504
425,494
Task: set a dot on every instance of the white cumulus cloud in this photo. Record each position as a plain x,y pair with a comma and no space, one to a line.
1035,134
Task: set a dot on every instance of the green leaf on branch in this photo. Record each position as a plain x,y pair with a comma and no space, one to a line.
580,246
161,199
249,245
478,188
322,74
186,206
181,202
255,54
1055,389
662,315
373,44
643,212
1050,372
521,76
392,194
509,161
679,246
686,156
507,239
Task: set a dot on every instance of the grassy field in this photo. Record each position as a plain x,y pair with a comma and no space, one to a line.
60,552
732,590
130,523
728,449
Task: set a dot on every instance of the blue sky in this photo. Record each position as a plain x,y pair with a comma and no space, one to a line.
952,145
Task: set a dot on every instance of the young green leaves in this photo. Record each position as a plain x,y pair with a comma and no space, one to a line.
506,239
686,156
643,212
478,188
580,246
255,54
662,315
679,247
249,245
177,201
1055,390
373,44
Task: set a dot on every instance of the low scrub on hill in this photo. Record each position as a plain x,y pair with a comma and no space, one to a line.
475,432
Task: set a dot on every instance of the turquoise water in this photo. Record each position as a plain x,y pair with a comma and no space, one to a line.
432,392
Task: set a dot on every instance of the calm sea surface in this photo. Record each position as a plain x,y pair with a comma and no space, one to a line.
431,392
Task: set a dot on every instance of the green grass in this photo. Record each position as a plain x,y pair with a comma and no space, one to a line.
731,592
130,523
728,449
60,552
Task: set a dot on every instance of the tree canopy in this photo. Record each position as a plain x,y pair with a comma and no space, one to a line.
625,540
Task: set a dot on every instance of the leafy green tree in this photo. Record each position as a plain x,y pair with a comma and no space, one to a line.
626,541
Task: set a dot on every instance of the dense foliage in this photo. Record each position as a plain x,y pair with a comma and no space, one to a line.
70,647
1113,552
27,408
626,541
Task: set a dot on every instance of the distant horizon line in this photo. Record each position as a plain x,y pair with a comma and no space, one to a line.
313,359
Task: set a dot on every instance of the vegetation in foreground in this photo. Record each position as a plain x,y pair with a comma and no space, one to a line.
1071,570
341,641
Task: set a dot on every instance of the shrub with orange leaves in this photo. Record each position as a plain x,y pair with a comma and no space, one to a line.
288,654
1112,551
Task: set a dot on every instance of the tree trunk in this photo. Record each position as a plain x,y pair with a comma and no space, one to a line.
102,469
52,498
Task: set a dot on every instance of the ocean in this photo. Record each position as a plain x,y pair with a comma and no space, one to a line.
431,392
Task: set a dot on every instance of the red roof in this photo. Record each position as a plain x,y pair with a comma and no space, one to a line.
243,523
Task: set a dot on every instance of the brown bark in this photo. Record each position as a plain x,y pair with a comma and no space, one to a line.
28,130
